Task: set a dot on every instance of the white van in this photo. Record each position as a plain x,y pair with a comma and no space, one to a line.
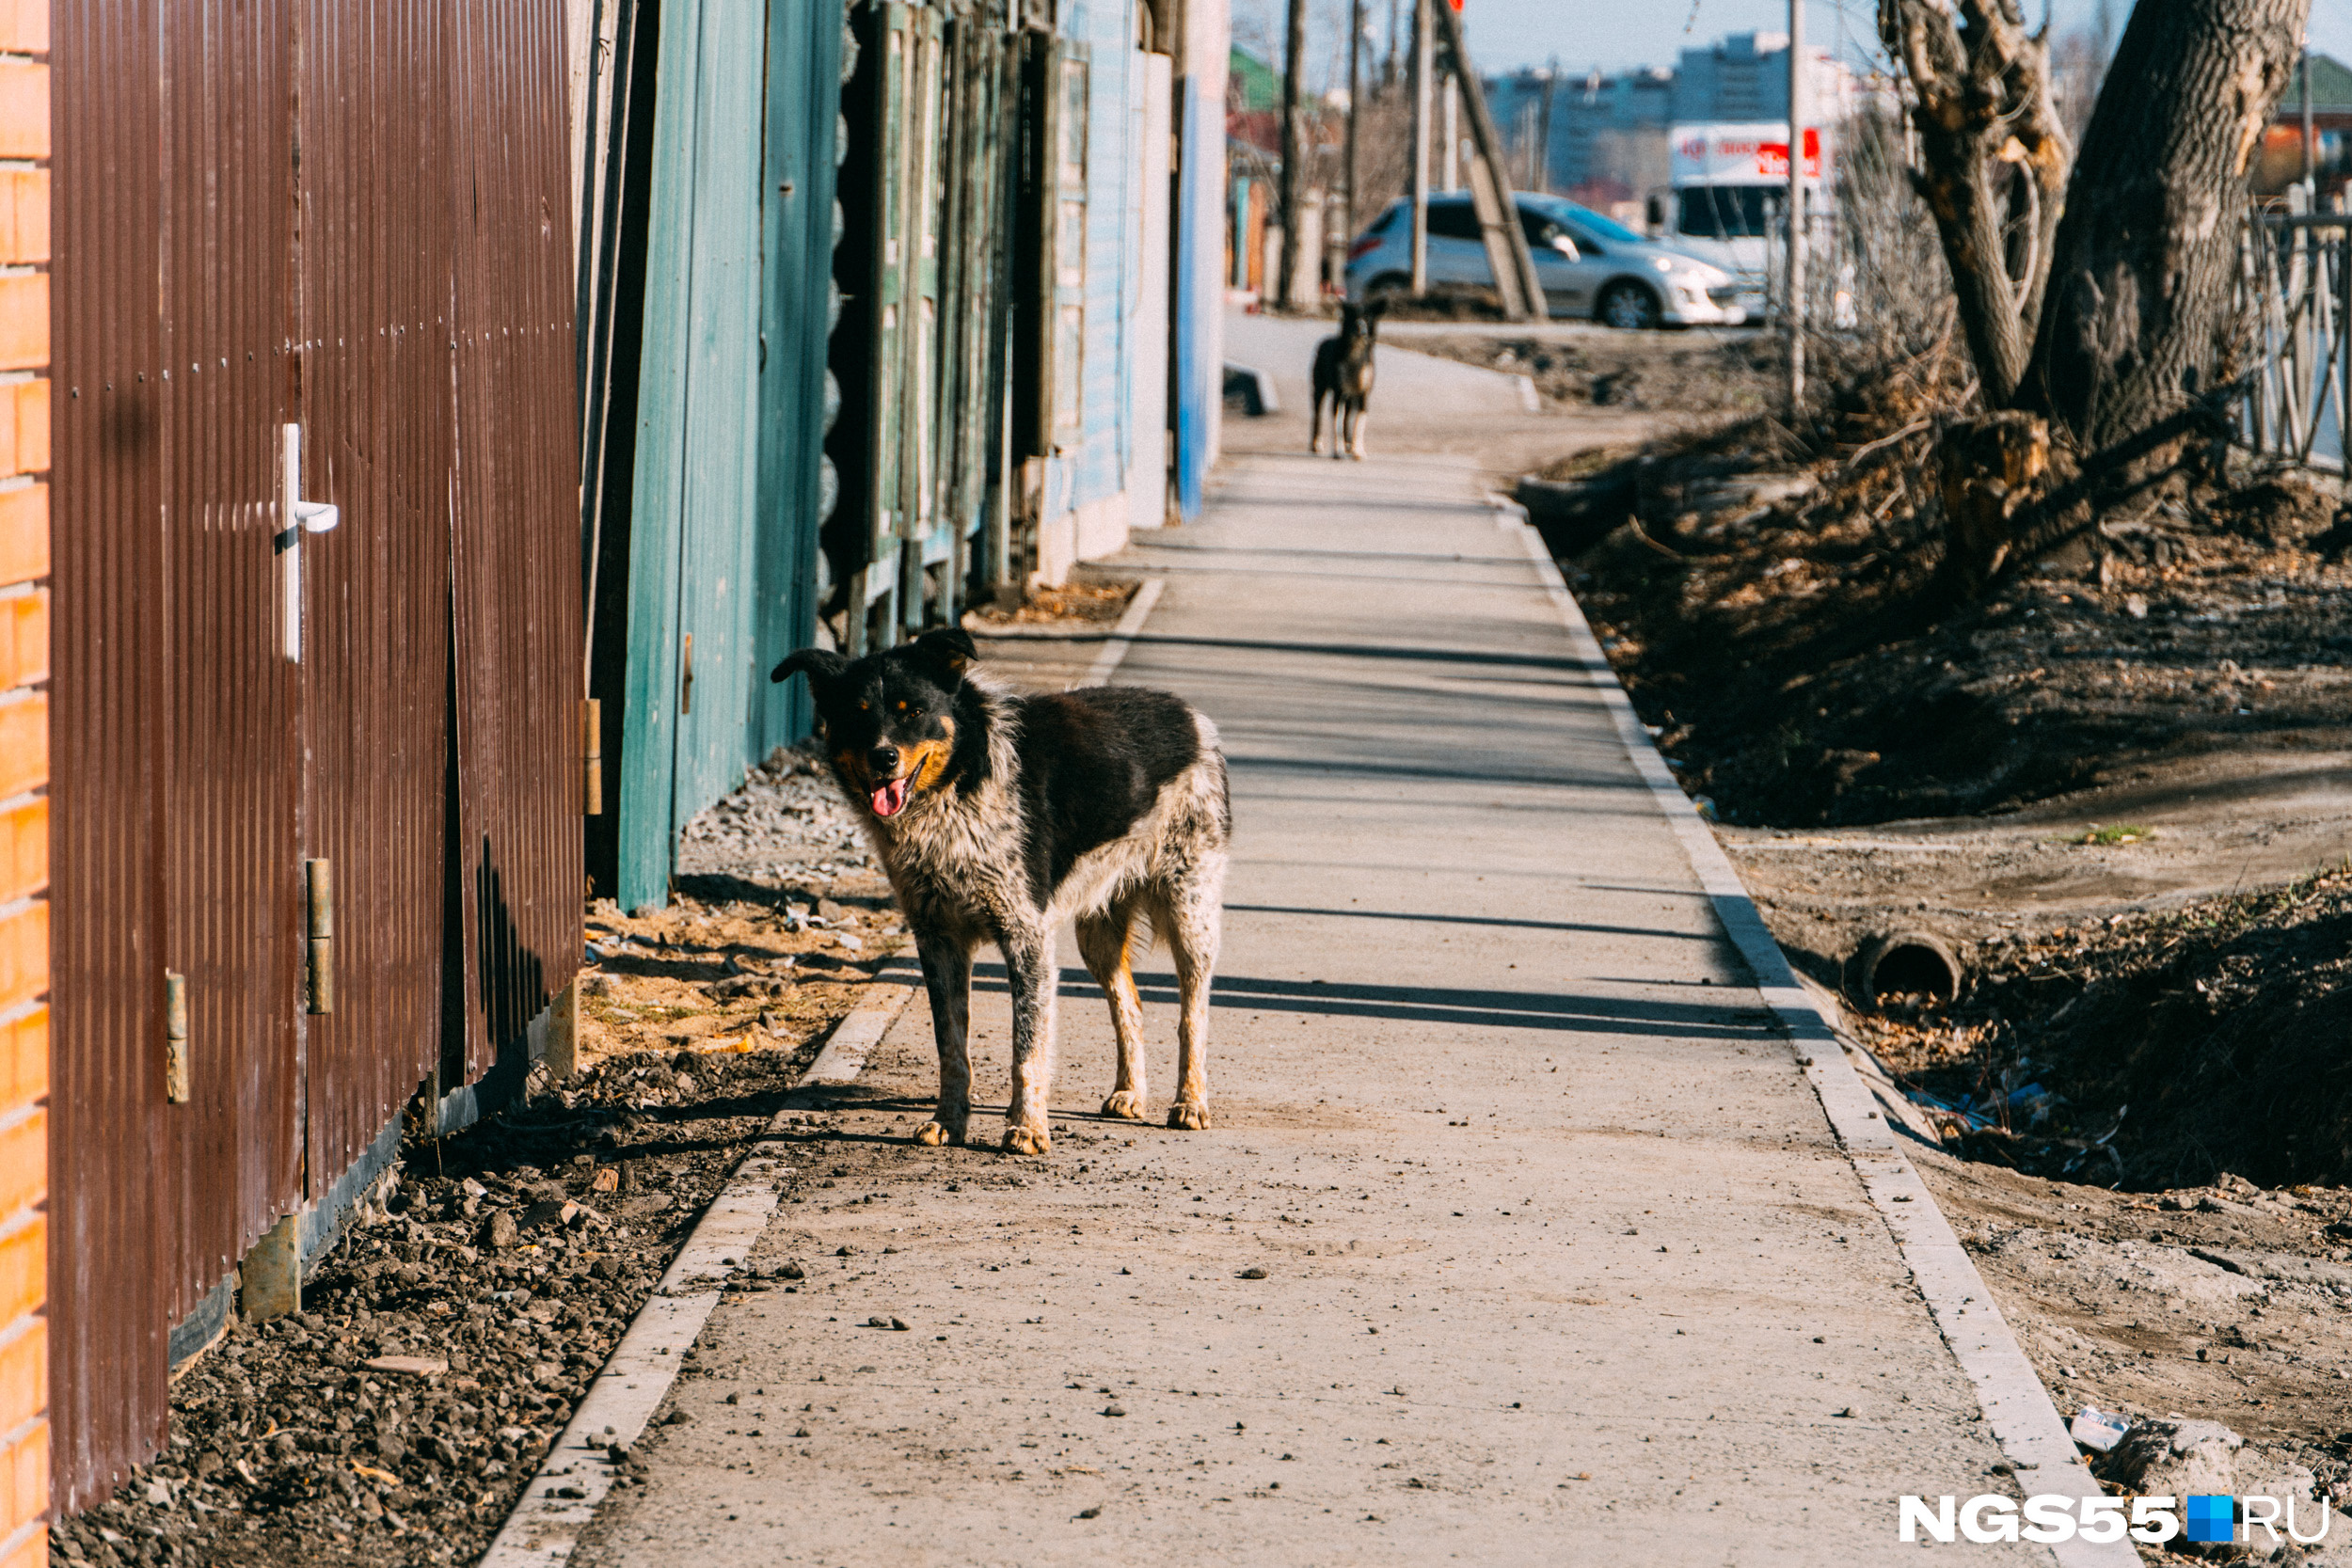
1729,183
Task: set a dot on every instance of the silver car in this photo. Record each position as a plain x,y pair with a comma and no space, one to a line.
1589,265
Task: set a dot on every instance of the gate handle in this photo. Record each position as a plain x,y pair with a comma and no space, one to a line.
301,517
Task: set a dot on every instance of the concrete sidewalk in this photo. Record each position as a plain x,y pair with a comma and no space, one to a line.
1562,1261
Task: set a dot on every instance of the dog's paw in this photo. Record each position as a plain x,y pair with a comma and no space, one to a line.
1028,1140
1126,1104
1189,1115
935,1133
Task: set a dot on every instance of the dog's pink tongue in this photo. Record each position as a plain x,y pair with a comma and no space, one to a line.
891,798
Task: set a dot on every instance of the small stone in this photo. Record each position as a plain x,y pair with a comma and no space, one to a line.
676,1418
735,1399
410,1366
499,1231
1090,1514
793,1270
1253,1273
1113,1410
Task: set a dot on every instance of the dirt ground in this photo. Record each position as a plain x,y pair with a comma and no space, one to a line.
500,1266
1697,372
2117,788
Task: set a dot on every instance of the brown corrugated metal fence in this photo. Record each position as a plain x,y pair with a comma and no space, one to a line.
406,298
518,636
107,1284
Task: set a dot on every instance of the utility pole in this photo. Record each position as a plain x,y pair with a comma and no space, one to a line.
1542,131
1453,133
1424,26
1354,104
1293,152
2310,185
1796,208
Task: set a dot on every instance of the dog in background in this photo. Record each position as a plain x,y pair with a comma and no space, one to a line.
1343,375
998,817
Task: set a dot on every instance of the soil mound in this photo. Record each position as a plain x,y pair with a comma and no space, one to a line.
2154,1051
1776,616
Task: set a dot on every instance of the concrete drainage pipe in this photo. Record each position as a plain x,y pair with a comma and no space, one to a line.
1906,963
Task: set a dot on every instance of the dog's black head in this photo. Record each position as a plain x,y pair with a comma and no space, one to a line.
898,724
1361,320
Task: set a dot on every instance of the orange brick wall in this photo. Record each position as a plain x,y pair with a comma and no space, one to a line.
23,781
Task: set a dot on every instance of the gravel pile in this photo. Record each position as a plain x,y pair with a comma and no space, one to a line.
786,823
446,1340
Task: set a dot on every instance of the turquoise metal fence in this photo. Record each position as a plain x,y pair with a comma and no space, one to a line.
722,501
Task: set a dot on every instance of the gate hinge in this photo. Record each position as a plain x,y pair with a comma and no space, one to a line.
175,1037
318,887
592,747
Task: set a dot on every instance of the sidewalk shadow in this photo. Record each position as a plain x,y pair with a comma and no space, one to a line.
1485,1009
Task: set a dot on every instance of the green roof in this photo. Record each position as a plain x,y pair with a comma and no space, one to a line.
2332,88
1252,84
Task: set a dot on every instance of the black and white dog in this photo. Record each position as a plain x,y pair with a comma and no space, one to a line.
1343,375
998,817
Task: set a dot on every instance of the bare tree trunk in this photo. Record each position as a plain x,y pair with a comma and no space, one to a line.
2138,324
1295,152
1996,162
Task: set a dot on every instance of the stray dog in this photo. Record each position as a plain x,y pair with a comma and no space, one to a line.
998,817
1343,375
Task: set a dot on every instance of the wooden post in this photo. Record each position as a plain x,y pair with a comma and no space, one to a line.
1421,29
1796,208
1507,256
563,1057
1295,153
272,1273
1355,107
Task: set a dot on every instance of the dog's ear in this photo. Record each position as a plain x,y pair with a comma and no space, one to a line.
1373,310
819,664
950,648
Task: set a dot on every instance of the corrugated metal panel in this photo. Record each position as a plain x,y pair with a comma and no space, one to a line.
374,268
1200,272
693,556
1101,462
802,114
107,1324
972,368
231,757
514,539
192,322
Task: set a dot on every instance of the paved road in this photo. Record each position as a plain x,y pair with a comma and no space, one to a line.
1561,1261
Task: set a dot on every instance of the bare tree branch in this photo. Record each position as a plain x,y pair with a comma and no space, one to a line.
1995,159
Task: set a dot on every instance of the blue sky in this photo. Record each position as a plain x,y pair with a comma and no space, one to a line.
1614,34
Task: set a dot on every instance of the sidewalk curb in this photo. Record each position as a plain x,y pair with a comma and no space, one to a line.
1122,636
2025,1424
544,1528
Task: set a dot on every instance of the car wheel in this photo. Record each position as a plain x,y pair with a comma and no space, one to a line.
1629,307
1389,285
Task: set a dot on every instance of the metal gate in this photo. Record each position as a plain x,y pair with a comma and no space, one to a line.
316,641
